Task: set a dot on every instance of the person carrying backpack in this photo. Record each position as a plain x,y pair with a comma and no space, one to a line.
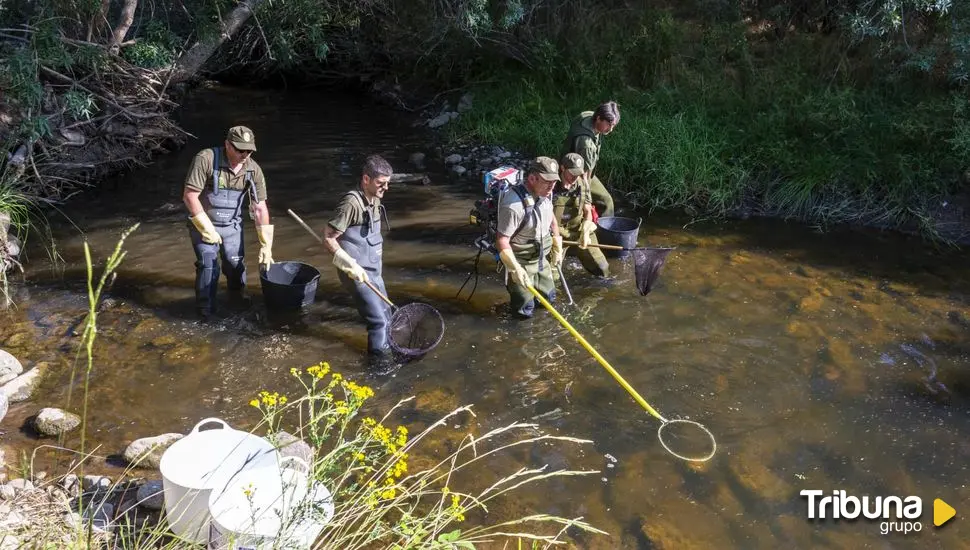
528,237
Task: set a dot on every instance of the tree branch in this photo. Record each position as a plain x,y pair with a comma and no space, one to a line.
127,17
192,61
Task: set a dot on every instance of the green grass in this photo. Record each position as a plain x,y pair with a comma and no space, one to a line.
784,144
15,210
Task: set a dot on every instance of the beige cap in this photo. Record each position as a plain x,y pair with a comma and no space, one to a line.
241,138
573,163
547,168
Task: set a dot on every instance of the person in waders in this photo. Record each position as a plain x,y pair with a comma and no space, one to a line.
218,182
573,210
528,239
584,139
354,238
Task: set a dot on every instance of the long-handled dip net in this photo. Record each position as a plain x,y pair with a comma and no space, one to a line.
647,263
691,437
415,328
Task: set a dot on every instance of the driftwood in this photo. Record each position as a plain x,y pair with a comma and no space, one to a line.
423,179
192,61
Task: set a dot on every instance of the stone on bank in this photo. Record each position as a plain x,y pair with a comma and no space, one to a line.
147,451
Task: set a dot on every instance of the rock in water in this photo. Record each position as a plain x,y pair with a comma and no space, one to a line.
51,421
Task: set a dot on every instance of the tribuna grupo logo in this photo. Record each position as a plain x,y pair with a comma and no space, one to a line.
895,514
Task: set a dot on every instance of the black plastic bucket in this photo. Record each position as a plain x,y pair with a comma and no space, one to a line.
620,232
289,285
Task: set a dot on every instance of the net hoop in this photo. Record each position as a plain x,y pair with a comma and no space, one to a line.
705,458
402,317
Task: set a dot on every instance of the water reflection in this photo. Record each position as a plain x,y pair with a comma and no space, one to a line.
810,357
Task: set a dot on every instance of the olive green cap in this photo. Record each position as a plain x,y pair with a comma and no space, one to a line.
241,138
546,168
573,163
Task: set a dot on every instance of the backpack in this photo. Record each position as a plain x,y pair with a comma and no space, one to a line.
496,184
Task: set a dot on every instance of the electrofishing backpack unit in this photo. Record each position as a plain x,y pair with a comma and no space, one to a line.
485,214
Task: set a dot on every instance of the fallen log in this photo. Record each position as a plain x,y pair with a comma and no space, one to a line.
192,61
423,179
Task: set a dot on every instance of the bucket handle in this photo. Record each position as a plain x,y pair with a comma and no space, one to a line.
285,463
208,420
639,221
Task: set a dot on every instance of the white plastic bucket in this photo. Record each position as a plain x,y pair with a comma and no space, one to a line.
202,461
269,507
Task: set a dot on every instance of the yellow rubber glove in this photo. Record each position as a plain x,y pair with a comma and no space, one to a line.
209,234
348,265
518,273
556,253
265,234
586,231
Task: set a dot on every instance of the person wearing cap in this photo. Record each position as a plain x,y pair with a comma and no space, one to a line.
583,139
573,210
527,234
218,182
354,238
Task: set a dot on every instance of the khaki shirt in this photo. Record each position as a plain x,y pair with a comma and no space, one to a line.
350,212
200,174
568,206
511,213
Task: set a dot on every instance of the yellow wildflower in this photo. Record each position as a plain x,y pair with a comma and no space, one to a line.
319,371
457,512
381,434
271,399
359,392
400,468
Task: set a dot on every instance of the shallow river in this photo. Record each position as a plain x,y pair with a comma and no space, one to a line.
810,357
